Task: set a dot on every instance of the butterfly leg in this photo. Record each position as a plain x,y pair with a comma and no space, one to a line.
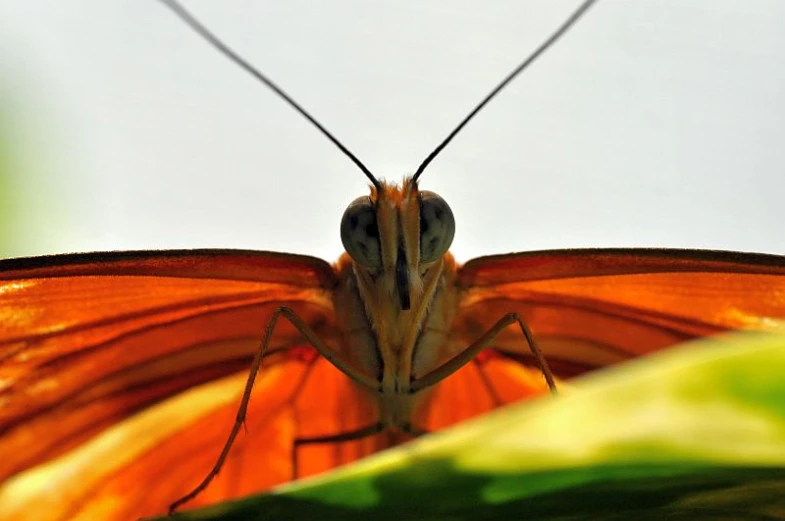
468,354
356,434
323,349
486,382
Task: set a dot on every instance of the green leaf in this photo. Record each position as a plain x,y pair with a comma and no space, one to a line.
697,432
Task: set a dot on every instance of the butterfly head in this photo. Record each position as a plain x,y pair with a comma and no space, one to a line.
397,233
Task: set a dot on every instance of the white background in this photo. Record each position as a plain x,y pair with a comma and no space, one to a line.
653,123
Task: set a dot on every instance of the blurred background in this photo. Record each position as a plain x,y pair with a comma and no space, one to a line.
653,123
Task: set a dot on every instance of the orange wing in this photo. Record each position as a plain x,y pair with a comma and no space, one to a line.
596,307
88,340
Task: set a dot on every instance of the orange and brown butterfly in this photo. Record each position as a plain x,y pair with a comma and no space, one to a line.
126,369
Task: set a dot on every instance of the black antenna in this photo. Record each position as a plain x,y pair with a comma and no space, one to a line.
194,24
536,54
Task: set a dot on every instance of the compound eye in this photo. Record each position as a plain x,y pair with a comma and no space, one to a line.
360,233
437,227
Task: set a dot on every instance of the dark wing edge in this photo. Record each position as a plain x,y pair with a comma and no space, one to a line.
224,264
570,263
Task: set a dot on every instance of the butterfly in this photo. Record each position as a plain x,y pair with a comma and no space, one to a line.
117,367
